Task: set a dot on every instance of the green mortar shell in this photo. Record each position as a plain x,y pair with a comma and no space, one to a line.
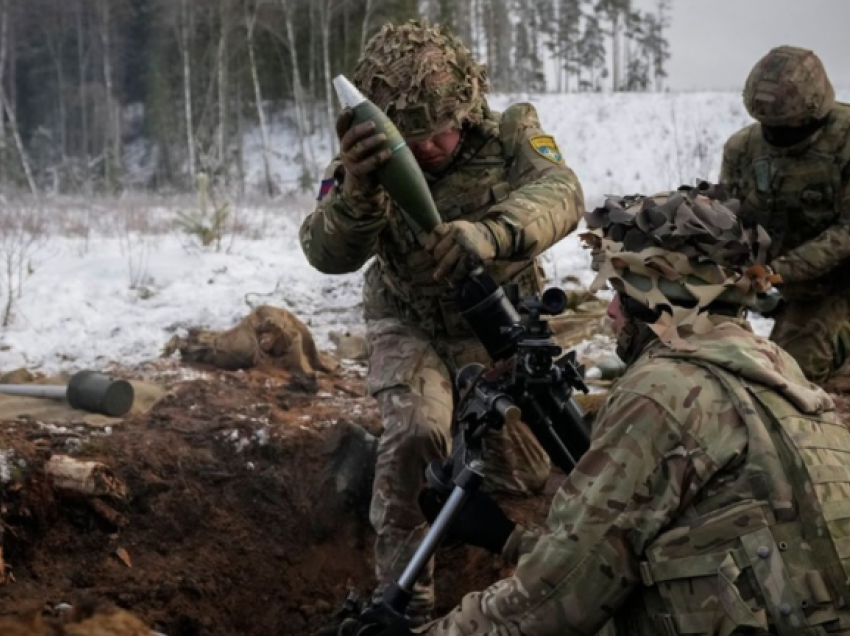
97,393
401,175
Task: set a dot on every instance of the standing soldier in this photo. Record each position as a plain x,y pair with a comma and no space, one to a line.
791,170
505,195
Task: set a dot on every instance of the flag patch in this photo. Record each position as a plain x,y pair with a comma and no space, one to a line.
545,146
325,187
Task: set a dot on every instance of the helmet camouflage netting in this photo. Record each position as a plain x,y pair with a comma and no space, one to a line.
677,252
788,87
423,77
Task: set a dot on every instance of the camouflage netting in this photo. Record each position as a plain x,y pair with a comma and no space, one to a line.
677,252
788,87
423,77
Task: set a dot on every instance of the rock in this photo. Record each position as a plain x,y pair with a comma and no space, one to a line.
349,346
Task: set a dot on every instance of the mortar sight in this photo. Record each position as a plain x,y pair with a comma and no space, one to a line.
500,318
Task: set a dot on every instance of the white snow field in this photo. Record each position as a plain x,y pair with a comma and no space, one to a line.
109,282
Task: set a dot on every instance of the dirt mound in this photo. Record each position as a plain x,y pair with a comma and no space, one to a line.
82,621
229,525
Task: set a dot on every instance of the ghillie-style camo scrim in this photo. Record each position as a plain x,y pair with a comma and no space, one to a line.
678,252
788,87
423,77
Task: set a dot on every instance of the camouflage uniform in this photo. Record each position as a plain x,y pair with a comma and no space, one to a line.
801,194
715,497
507,173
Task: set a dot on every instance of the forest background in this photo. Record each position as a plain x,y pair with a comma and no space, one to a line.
108,96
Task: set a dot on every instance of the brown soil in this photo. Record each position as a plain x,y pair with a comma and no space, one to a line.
230,526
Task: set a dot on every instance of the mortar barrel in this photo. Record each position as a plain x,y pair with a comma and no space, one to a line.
34,390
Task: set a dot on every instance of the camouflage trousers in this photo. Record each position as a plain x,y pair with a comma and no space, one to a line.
413,386
816,333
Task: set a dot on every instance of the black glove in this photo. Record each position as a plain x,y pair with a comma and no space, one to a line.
340,627
399,628
480,522
364,627
356,620
362,150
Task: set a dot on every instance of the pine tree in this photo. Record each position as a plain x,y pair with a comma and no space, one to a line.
591,55
498,33
563,45
656,45
528,66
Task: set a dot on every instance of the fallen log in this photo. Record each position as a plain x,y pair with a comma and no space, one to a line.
86,478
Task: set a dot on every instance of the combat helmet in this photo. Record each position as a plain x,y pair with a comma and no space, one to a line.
678,253
788,87
423,77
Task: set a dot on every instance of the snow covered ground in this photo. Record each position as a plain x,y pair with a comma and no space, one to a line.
110,281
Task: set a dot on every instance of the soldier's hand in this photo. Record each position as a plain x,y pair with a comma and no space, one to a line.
361,151
375,624
458,246
400,628
344,627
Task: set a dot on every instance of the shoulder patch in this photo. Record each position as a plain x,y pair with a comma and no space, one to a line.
545,146
325,187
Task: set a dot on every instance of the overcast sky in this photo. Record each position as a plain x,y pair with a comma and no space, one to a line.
715,43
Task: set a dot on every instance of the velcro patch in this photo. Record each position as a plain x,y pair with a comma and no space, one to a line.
545,146
326,186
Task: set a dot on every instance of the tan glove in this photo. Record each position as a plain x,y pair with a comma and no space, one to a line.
361,151
458,246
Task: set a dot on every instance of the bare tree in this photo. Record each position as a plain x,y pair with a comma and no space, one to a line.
326,10
184,30
4,31
251,9
112,139
54,31
367,20
221,77
306,151
23,233
5,104
84,115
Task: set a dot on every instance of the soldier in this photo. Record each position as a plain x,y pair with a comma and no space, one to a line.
791,171
505,194
715,497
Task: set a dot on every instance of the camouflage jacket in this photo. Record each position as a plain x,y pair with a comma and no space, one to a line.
506,170
801,196
671,521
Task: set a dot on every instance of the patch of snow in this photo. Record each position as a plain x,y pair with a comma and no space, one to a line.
6,457
117,293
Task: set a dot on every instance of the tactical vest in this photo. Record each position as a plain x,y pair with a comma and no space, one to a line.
400,282
741,559
794,193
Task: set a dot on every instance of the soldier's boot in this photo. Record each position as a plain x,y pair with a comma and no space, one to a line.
416,432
